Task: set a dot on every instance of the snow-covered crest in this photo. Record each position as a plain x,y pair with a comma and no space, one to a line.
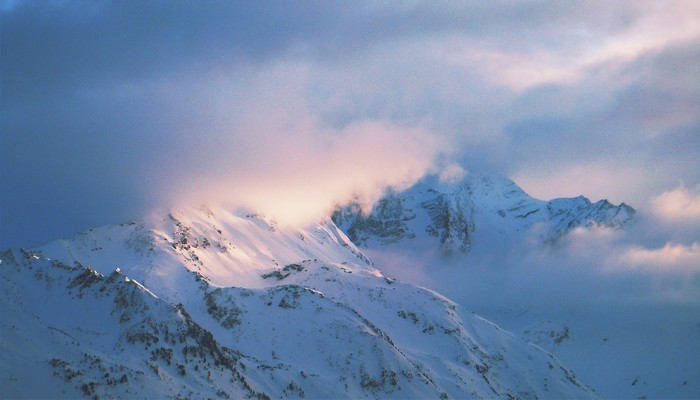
218,303
475,209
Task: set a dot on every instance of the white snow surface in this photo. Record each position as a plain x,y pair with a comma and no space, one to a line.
487,245
203,302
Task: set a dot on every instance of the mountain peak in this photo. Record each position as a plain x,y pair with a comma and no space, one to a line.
457,214
209,302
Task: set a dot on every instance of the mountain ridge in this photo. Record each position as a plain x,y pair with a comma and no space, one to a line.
458,213
203,301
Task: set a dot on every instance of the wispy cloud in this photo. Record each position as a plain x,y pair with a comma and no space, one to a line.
111,107
669,256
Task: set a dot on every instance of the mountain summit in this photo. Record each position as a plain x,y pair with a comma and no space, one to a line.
212,303
475,210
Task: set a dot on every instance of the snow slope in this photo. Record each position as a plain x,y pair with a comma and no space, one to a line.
213,303
486,244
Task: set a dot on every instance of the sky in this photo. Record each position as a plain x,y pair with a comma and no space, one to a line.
111,108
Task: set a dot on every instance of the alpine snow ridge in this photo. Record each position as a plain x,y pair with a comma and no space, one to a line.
212,303
479,208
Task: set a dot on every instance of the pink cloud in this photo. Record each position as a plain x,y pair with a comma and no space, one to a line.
669,257
678,205
270,152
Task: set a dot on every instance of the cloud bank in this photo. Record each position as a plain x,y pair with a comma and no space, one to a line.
593,268
112,107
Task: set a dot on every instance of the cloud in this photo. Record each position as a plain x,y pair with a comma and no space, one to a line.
667,257
234,135
624,142
594,180
258,144
680,205
298,176
590,267
112,107
452,173
643,263
641,246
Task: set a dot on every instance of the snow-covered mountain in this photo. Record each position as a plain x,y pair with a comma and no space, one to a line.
476,209
212,303
536,268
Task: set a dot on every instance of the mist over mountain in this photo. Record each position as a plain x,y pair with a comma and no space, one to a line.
112,108
595,283
576,276
231,303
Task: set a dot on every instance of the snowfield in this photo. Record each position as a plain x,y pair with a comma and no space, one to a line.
213,303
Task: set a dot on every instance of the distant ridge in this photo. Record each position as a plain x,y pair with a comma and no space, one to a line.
458,215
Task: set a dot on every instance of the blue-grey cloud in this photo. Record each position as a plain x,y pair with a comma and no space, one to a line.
108,105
